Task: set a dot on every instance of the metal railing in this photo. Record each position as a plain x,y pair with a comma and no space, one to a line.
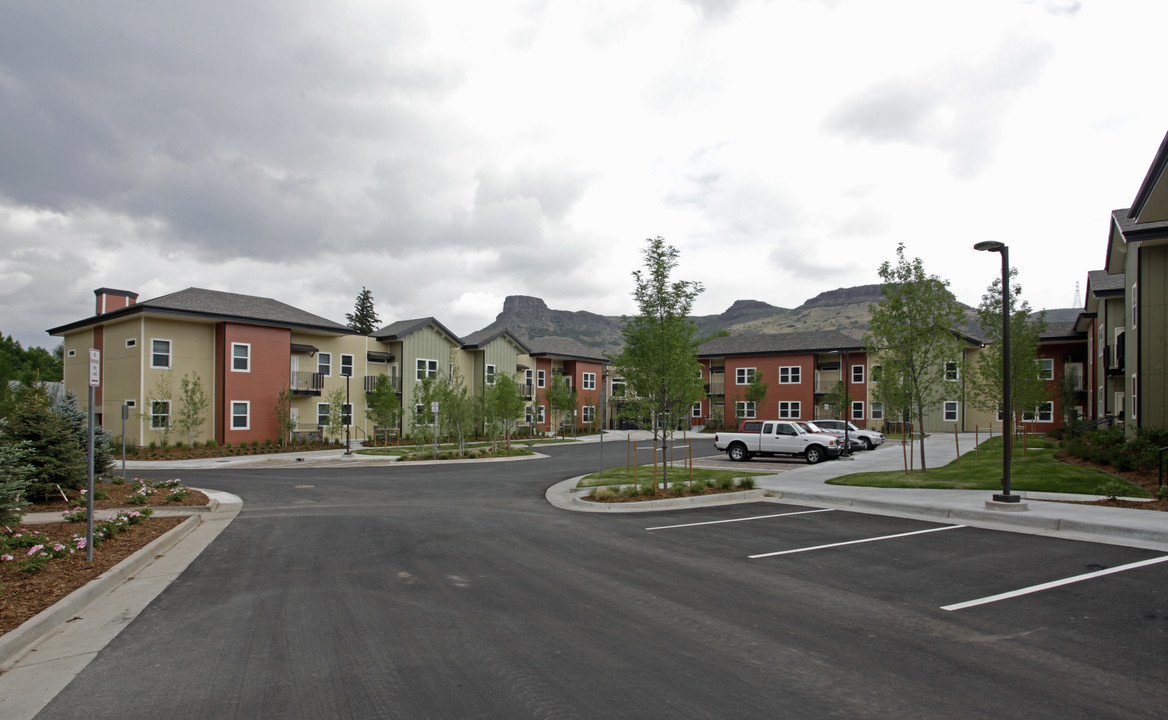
1108,420
307,382
394,381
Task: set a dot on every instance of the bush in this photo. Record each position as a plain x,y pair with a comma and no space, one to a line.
745,483
1112,489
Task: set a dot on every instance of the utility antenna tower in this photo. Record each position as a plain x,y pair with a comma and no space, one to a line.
1078,296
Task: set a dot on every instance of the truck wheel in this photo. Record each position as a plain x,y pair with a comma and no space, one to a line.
813,454
738,453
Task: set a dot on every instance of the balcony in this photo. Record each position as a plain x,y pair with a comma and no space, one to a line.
717,386
371,383
307,383
526,391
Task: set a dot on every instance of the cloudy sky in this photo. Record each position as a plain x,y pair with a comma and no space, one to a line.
448,153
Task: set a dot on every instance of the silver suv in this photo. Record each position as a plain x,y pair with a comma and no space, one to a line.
868,438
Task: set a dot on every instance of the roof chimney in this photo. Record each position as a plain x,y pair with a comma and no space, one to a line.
109,299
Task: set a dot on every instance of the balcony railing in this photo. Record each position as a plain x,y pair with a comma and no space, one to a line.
526,391
371,383
307,383
717,386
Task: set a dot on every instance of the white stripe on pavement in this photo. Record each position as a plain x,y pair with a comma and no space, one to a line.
1052,584
854,542
756,517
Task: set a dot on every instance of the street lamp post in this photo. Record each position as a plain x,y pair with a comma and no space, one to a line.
349,408
1007,410
845,376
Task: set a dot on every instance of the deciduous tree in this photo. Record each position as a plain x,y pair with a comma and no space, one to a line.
914,332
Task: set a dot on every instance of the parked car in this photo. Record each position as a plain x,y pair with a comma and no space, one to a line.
854,443
783,437
870,439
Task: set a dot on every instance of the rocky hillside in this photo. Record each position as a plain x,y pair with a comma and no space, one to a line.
844,310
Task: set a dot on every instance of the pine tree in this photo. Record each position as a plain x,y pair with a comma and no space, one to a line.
364,318
54,450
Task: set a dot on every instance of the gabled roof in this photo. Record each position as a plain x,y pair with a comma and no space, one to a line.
1101,283
779,343
221,306
482,338
404,328
1151,203
1126,229
563,347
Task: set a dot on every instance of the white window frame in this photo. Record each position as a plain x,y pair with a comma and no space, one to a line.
528,378
132,402
322,411
790,374
245,405
159,420
1046,412
527,414
696,410
790,409
588,381
71,353
541,379
857,410
541,416
324,363
617,387
154,354
1135,397
131,342
745,409
745,375
349,365
952,371
876,410
857,374
951,411
246,357
588,414
425,368
1046,368
489,374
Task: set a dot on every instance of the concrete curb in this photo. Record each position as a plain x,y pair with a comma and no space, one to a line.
564,495
15,643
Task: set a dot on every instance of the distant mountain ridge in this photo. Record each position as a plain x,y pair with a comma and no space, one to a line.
844,310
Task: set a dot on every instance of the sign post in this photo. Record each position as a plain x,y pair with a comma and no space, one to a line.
94,382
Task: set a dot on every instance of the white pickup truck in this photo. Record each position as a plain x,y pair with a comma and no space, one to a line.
778,437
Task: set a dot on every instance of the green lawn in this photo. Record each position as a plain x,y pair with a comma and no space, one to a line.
624,475
445,446
1037,471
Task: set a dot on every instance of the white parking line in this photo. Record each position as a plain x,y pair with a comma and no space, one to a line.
854,542
1052,584
756,517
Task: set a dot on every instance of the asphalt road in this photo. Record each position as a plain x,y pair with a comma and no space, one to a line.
456,591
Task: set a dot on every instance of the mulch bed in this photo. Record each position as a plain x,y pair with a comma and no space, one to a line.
118,498
23,595
1149,481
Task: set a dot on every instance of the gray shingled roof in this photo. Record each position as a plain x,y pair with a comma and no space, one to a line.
563,347
482,338
405,328
769,343
1100,282
216,304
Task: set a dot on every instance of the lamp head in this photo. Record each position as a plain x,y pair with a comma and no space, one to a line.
990,246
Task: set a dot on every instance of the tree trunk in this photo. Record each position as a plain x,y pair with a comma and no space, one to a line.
921,429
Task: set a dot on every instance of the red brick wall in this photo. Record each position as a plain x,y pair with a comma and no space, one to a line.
261,385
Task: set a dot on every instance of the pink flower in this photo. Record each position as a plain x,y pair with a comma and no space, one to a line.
6,557
35,549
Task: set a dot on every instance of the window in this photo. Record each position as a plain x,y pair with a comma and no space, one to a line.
1001,414
427,369
346,365
744,376
1046,412
160,354
159,414
71,353
324,364
745,409
857,374
618,387
322,414
1135,396
240,357
131,403
951,371
588,381
789,410
696,410
490,375
527,414
528,378
950,411
877,411
346,414
588,414
1135,293
240,415
1046,369
857,410
877,373
1028,415
131,342
790,375
541,415
541,378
